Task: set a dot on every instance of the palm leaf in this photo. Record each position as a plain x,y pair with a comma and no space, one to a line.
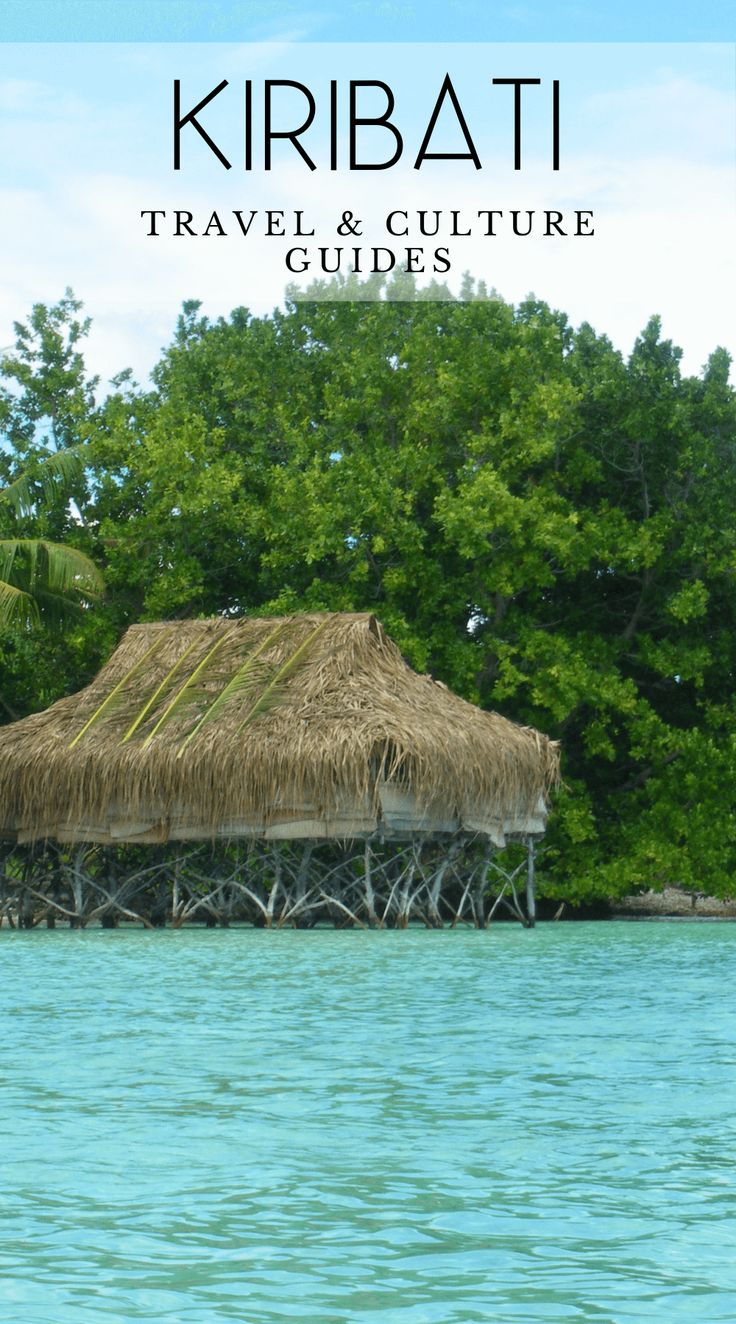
54,475
17,607
271,694
165,684
188,690
245,680
40,575
111,702
66,570
48,566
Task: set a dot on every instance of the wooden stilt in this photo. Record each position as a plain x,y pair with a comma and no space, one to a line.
367,884
531,900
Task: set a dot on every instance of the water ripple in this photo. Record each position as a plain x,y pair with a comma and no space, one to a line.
427,1128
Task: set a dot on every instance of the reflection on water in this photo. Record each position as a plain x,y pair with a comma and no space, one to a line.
211,1126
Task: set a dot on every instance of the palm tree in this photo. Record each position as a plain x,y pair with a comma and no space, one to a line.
40,581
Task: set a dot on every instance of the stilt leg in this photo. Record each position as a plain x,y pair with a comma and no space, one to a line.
531,900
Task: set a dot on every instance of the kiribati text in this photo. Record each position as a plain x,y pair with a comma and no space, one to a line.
361,135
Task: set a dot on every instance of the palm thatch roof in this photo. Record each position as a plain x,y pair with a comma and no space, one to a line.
298,727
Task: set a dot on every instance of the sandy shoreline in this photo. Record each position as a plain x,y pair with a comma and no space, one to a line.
673,904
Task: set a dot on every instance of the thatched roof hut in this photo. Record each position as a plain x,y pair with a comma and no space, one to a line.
310,726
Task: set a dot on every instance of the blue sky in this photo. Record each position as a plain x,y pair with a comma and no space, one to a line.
367,20
647,142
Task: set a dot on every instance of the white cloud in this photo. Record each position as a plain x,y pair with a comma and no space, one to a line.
34,98
669,112
75,183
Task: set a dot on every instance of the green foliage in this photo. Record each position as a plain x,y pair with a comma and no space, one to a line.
41,581
543,524
45,408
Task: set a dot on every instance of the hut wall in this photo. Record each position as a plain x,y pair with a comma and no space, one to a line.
399,816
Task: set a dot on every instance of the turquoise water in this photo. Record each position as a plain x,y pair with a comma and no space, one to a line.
211,1126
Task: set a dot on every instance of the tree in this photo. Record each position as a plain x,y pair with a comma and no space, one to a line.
41,581
46,407
543,524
